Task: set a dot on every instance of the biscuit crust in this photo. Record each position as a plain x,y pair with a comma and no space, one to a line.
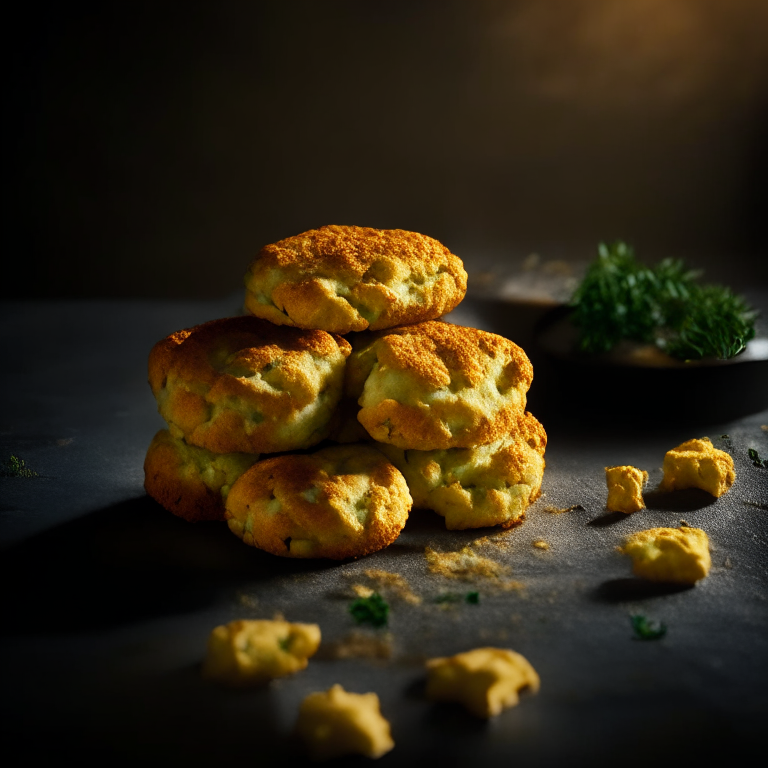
482,486
345,278
340,502
191,482
244,385
435,385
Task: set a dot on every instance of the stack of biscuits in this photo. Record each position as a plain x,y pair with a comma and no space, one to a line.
314,423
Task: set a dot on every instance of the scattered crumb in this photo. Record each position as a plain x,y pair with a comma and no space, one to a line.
466,564
359,645
557,511
278,616
64,441
463,564
392,585
246,600
728,563
540,544
764,427
685,523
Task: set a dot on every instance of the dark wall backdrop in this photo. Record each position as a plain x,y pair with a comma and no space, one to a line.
154,147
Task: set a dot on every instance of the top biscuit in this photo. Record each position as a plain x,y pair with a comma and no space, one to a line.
242,385
434,385
341,279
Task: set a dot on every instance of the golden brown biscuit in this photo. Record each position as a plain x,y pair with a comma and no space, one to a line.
189,481
344,279
243,385
490,484
343,501
436,385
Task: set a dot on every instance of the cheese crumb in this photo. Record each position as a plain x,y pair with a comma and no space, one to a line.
625,489
484,680
335,723
244,653
698,464
677,555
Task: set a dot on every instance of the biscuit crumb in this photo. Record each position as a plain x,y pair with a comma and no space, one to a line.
485,680
464,564
335,723
393,585
764,427
246,600
698,464
247,653
674,555
728,564
540,544
359,645
625,489
64,441
559,511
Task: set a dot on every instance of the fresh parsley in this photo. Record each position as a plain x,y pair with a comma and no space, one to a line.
16,467
756,460
370,610
473,598
647,630
619,298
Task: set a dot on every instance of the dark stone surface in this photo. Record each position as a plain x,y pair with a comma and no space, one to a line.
108,599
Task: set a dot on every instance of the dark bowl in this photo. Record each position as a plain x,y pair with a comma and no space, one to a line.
641,385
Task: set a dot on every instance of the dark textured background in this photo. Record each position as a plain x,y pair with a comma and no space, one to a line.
154,147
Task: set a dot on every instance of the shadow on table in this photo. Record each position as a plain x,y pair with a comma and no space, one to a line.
619,590
125,563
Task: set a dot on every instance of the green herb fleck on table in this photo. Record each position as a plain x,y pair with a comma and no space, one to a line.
756,460
620,298
16,467
647,630
455,597
370,610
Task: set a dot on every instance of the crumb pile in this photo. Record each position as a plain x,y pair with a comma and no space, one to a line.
344,369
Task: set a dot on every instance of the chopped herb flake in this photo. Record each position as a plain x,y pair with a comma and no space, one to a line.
756,460
473,598
285,643
370,610
16,467
647,630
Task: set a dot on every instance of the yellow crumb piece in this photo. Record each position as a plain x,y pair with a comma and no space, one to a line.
484,680
625,489
361,590
561,510
679,555
244,653
463,564
540,544
336,723
359,645
698,464
393,584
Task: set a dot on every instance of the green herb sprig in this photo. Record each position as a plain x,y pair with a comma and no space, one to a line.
647,630
756,460
16,467
370,610
619,298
